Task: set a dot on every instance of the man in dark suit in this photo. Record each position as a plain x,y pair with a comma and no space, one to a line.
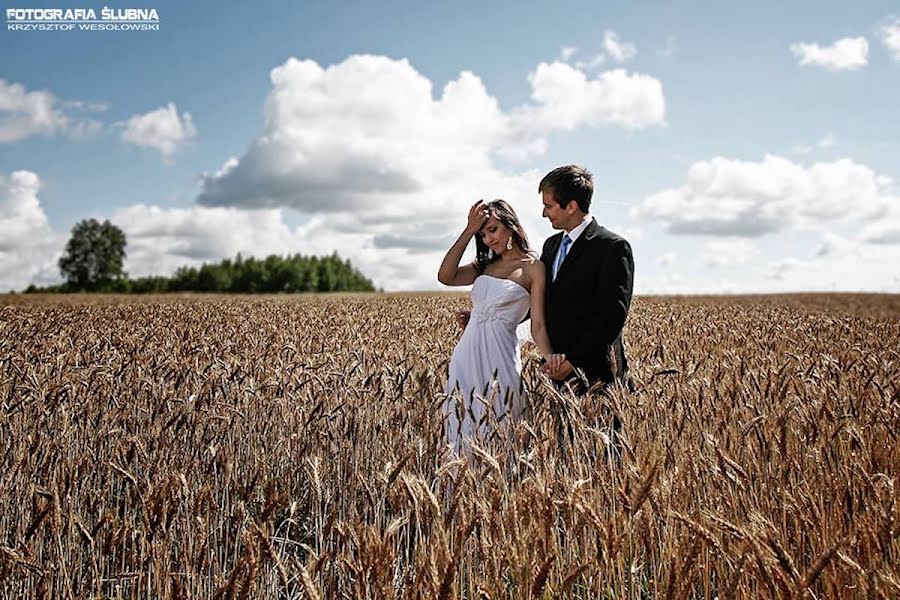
590,272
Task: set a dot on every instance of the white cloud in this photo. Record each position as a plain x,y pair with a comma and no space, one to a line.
162,239
669,282
336,138
885,231
614,49
98,107
26,113
728,252
619,51
29,249
839,263
163,130
366,145
199,233
844,54
593,63
405,256
890,35
835,246
567,53
781,268
629,232
740,198
666,259
568,99
827,141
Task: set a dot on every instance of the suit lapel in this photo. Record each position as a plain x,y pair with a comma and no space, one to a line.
577,248
552,249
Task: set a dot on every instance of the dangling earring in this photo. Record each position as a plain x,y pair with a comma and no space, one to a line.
509,243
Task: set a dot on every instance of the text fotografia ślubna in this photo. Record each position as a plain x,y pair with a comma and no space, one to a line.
59,19
81,14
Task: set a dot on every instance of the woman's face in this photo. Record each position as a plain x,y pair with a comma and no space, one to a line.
495,234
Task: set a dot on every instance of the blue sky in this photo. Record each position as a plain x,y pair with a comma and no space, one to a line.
740,148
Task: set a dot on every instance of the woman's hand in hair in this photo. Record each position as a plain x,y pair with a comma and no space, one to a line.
478,214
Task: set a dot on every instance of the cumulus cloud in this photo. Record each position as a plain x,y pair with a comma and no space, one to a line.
838,263
728,197
780,269
566,98
825,142
629,232
886,231
834,246
163,130
666,259
619,51
198,233
730,252
405,256
370,144
890,35
418,237
567,53
162,239
591,64
335,137
25,113
613,49
844,54
29,248
668,282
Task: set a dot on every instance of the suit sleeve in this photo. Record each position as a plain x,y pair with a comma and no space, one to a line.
612,297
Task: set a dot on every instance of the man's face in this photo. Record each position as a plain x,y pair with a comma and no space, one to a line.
553,211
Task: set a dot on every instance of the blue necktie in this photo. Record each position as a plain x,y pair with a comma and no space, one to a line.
564,249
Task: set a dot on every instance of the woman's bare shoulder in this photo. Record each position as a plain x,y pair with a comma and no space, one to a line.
533,265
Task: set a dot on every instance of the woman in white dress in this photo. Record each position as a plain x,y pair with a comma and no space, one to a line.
485,369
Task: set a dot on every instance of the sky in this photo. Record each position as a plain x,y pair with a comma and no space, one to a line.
739,147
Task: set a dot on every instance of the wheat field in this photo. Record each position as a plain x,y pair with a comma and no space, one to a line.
292,447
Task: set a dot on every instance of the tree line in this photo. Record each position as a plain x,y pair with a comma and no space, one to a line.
93,261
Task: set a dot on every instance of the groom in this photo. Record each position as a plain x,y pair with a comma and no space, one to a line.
590,272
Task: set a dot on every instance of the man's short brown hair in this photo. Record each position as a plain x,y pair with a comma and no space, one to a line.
569,183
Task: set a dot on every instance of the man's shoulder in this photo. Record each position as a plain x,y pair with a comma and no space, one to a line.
603,234
552,239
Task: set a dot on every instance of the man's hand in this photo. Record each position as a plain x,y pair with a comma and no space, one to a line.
559,373
462,318
552,362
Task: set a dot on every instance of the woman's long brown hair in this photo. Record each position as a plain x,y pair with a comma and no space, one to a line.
503,212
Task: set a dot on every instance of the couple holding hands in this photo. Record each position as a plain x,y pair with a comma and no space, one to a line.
577,293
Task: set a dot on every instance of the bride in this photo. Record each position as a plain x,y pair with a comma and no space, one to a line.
485,369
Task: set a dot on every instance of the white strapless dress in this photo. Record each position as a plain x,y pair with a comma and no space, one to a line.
486,366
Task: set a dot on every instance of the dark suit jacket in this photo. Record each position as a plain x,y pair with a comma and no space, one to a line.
587,304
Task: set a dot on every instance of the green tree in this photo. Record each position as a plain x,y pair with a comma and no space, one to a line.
212,278
94,256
